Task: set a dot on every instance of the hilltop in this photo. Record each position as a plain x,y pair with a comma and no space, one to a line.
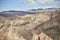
30,26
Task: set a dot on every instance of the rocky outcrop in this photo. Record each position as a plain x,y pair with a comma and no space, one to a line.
43,36
27,27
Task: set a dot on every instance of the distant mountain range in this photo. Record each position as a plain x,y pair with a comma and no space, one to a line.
20,13
34,10
13,13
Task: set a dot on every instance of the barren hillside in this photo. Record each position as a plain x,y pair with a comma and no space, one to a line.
27,27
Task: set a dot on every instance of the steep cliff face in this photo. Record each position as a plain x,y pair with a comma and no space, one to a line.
22,27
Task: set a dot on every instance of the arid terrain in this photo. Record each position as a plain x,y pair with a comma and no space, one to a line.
43,25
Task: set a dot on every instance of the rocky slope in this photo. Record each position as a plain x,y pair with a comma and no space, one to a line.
22,27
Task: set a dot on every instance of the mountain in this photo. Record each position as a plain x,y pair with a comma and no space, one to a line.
21,13
38,26
41,9
30,27
33,10
13,13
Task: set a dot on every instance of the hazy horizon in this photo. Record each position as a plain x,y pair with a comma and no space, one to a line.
23,5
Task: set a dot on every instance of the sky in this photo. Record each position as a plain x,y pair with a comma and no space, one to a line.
22,5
